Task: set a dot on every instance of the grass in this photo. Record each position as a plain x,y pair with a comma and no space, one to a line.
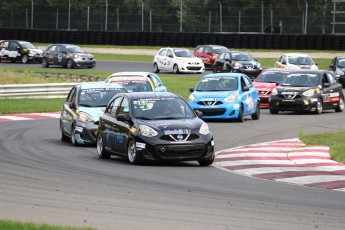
15,225
334,140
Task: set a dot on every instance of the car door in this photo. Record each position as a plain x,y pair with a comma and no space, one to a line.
14,50
52,54
170,60
161,59
68,116
61,55
249,95
331,90
123,127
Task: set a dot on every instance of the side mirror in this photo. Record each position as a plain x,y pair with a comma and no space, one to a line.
170,56
331,66
122,117
191,90
199,113
72,105
326,85
245,88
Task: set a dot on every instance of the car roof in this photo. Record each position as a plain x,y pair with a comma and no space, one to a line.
315,71
92,85
145,95
130,73
297,54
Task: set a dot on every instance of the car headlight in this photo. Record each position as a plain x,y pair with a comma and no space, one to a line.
237,64
181,60
274,91
191,98
84,117
309,93
76,56
231,97
204,129
147,131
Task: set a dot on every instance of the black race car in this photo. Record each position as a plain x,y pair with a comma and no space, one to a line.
307,90
14,50
146,126
67,55
237,62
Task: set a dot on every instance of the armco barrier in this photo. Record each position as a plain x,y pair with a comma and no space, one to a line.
51,90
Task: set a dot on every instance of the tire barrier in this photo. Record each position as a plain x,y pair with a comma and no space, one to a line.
231,40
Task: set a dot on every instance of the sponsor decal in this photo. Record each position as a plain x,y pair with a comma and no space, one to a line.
177,131
140,145
79,129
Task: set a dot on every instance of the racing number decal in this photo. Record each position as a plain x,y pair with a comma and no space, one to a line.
331,97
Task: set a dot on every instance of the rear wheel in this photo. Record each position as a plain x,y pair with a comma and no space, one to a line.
102,153
45,63
70,64
175,69
256,115
25,59
132,154
240,117
155,68
340,106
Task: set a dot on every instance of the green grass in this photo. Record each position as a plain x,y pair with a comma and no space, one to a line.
334,140
16,225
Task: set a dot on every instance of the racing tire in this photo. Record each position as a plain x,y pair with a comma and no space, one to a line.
45,63
240,117
155,68
274,111
256,115
70,64
206,162
73,140
340,106
318,109
25,59
90,67
101,152
214,69
175,69
132,154
64,137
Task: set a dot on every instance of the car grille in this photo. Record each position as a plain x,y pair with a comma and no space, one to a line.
179,137
210,103
193,68
180,151
264,92
212,112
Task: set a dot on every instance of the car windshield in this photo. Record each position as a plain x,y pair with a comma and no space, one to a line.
241,57
271,77
300,60
162,108
218,84
301,80
341,63
183,53
219,50
75,49
136,86
97,97
27,45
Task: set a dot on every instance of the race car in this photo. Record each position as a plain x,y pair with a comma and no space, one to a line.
307,91
15,50
225,96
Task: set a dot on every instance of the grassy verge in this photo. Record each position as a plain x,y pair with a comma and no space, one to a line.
334,140
15,225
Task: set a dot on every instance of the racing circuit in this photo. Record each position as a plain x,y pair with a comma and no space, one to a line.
46,181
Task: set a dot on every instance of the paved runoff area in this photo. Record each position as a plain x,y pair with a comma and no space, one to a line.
289,161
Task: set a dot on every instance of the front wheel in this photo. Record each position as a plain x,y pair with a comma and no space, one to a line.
274,111
155,68
45,63
73,138
25,59
240,117
132,154
206,162
318,107
214,69
70,64
340,106
101,152
256,115
64,137
175,69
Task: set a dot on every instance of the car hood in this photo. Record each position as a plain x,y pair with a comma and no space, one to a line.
39,51
247,62
94,112
212,94
174,124
264,85
189,59
293,88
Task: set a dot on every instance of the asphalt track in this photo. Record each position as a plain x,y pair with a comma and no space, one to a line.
45,180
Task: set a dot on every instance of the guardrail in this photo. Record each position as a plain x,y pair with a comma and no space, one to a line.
48,90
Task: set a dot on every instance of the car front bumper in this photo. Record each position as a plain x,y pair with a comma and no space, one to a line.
300,104
85,132
229,111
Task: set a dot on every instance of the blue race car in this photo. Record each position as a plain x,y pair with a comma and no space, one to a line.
225,96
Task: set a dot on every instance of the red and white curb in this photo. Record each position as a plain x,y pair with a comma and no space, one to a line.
289,161
29,116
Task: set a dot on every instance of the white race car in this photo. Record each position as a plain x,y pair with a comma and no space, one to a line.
177,60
